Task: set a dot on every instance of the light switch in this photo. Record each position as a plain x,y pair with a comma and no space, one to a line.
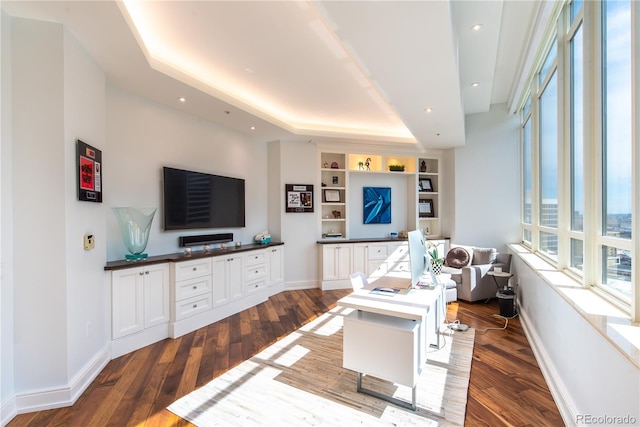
89,242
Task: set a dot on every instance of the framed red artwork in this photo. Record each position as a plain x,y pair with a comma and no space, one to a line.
89,167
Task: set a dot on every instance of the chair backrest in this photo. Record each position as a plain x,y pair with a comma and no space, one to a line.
358,280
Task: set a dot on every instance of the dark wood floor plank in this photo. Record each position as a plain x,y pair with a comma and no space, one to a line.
506,387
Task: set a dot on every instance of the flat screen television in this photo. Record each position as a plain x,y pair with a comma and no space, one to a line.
196,200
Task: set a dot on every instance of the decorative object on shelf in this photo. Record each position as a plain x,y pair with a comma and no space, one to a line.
263,238
89,169
367,163
135,224
223,246
187,251
396,168
207,248
298,197
332,196
425,208
403,234
426,185
238,244
361,166
376,205
436,261
336,214
334,165
423,166
325,165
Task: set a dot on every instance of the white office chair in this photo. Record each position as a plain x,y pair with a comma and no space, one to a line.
358,280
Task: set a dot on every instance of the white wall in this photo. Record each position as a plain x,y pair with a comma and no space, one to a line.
586,374
299,165
398,183
39,188
88,302
6,220
143,137
487,181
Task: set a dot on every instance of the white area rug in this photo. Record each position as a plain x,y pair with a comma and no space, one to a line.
300,381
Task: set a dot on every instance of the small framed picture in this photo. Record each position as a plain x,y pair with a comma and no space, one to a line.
298,198
425,185
425,208
332,195
334,180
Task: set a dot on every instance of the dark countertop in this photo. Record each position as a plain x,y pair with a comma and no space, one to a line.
330,240
181,256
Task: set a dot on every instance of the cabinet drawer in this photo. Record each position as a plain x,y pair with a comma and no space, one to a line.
192,287
255,257
191,269
255,272
256,286
192,306
378,251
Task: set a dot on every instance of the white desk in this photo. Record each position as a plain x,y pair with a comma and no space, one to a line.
388,331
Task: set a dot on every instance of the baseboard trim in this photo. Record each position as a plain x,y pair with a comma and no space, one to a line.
8,410
561,396
64,396
301,285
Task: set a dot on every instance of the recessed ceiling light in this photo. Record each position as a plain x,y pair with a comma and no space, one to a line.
182,99
252,128
476,27
428,109
475,84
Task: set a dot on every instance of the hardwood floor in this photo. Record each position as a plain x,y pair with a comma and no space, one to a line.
506,386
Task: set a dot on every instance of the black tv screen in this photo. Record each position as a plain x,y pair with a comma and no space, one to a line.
194,200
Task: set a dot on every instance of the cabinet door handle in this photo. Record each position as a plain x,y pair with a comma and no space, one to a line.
146,272
195,287
195,268
141,273
195,305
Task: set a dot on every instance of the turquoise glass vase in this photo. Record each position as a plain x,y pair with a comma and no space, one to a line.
135,224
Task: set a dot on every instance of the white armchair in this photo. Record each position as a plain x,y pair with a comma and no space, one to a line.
468,266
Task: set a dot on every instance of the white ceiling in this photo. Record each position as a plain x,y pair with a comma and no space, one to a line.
363,71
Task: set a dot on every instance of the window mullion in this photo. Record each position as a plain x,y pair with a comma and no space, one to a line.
592,134
635,232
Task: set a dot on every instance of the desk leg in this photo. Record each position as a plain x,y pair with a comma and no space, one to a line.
386,397
437,324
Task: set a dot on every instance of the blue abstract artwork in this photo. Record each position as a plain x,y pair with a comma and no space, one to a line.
377,205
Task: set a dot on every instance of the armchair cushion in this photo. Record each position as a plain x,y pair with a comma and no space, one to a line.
484,256
457,257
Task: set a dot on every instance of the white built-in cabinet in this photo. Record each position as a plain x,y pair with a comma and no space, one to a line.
140,299
169,299
227,279
336,262
276,265
375,258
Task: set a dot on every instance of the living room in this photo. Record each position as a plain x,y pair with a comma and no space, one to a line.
55,92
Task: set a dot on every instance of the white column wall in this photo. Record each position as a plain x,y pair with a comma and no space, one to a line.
40,305
299,165
88,299
487,181
6,220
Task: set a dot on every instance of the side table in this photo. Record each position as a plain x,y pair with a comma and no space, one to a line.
501,275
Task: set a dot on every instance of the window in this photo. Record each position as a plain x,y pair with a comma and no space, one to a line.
577,131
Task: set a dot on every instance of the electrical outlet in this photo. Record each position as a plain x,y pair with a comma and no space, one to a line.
89,242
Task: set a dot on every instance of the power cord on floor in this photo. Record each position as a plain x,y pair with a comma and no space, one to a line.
506,323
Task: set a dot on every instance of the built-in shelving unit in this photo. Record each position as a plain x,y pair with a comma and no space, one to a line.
333,188
422,176
428,196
